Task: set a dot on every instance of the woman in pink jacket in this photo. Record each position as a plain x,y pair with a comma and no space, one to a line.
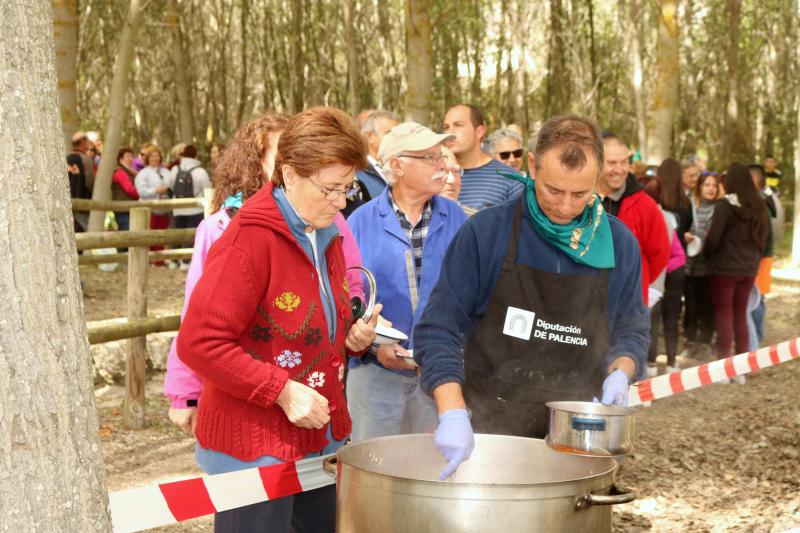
243,167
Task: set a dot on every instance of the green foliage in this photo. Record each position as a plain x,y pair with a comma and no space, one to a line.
245,57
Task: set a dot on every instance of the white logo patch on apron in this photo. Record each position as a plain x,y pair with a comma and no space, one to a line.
519,323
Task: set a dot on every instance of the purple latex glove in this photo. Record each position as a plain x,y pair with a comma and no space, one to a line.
454,439
615,389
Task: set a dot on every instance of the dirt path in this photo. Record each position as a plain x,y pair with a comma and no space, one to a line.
720,458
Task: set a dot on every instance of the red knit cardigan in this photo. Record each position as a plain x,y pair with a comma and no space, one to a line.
255,320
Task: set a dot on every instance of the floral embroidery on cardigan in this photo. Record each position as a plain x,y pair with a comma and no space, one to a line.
261,333
316,380
275,325
310,367
288,301
288,359
313,337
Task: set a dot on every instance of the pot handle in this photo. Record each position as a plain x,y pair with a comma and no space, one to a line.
616,497
329,465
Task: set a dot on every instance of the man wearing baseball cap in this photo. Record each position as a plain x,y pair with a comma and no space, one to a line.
402,234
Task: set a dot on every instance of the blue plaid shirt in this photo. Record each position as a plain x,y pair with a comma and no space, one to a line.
416,233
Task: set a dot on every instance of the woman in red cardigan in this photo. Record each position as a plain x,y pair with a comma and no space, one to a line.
269,323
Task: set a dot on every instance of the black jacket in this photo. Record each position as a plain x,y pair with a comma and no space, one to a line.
731,247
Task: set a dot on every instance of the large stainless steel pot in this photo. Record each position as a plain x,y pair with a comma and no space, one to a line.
510,484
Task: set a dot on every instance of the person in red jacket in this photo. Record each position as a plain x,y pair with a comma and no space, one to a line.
269,324
625,198
122,185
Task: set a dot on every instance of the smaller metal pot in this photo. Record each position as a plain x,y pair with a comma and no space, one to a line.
587,428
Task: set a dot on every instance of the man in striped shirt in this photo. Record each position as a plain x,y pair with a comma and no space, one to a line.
482,185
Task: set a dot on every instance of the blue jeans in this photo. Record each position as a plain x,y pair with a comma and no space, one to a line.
123,219
759,315
384,403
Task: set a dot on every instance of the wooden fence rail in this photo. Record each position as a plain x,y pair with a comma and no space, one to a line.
163,255
134,328
80,204
123,239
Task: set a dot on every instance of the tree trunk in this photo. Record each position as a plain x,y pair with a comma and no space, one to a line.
51,469
245,9
65,30
665,99
419,61
183,87
351,39
519,109
296,58
594,94
796,221
116,110
637,79
734,142
558,79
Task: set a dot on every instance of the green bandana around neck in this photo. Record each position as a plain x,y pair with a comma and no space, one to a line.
587,239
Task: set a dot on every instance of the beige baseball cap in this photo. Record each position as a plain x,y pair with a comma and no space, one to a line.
409,137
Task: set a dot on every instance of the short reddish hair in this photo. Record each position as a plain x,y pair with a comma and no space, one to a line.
317,138
239,166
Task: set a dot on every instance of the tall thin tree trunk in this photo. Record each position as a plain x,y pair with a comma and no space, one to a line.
65,30
51,466
245,7
594,95
419,65
558,79
637,78
498,56
116,110
665,99
796,221
183,88
519,109
297,65
352,58
734,142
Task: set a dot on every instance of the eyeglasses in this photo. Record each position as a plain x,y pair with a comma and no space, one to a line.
516,153
431,159
333,194
456,172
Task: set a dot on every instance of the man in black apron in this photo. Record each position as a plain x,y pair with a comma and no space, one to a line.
539,300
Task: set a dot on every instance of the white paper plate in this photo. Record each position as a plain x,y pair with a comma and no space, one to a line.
387,335
410,359
694,247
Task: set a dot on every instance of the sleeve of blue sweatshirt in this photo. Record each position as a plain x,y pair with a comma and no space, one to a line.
629,323
449,317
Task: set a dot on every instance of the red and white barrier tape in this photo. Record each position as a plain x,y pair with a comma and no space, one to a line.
168,503
698,376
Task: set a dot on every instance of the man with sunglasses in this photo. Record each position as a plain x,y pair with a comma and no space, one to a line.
482,185
402,235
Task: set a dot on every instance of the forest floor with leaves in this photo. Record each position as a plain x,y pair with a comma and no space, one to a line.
719,458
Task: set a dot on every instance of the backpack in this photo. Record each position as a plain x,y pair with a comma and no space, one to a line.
184,183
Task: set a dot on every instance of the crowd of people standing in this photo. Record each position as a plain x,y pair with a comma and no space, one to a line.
456,226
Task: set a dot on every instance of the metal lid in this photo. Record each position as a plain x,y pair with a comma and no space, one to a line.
591,408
